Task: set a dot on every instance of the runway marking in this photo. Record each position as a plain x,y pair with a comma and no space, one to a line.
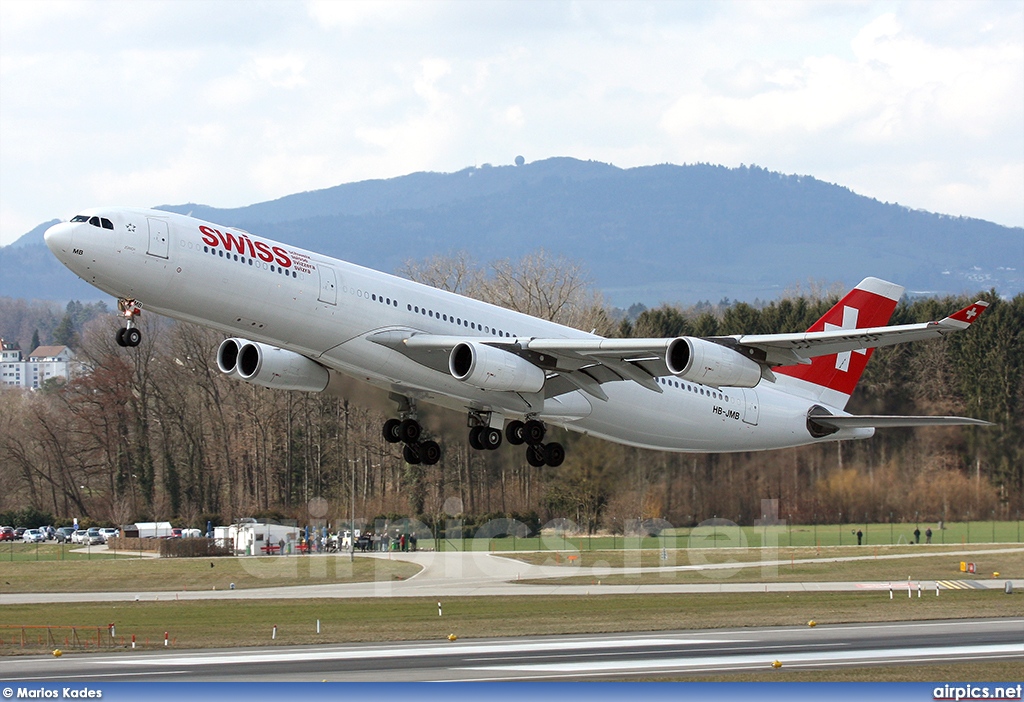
405,651
961,585
719,662
77,676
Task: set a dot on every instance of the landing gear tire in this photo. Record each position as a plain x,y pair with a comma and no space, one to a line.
554,454
119,337
534,432
132,337
411,454
409,431
490,438
475,439
514,432
430,453
535,455
393,431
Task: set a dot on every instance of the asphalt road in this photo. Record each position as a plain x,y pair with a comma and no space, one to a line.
587,657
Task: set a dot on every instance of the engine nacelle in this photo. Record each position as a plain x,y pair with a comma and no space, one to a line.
706,362
270,367
490,368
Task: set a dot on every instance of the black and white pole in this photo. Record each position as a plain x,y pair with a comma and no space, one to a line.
439,609
273,633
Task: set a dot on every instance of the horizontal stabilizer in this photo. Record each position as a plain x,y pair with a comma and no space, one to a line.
881,421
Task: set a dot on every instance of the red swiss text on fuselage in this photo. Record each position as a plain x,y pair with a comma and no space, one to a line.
240,243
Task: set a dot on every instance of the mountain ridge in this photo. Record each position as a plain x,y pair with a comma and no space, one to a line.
650,234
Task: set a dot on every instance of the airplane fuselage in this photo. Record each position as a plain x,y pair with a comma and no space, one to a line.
336,314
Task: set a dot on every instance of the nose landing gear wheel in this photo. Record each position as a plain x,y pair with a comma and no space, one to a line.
130,337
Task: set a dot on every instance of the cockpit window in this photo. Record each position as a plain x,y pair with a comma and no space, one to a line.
102,222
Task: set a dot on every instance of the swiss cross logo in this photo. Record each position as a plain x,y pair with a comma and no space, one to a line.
972,313
850,315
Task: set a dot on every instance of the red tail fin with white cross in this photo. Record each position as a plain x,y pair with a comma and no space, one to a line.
870,304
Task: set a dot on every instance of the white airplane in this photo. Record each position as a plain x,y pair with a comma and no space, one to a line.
296,317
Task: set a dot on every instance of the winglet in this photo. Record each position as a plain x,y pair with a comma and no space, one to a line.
965,317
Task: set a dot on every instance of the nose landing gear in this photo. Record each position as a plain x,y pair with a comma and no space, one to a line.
129,336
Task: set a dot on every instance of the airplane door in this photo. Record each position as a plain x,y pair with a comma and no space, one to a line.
328,284
750,406
158,238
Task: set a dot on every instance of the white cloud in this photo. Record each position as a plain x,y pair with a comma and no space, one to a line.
230,103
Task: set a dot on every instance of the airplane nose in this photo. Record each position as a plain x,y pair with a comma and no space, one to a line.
58,238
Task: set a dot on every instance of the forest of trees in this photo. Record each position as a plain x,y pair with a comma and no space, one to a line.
156,432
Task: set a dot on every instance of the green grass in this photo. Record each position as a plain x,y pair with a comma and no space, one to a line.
171,574
731,536
204,624
13,551
757,565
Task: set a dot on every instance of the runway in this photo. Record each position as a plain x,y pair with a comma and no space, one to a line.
584,657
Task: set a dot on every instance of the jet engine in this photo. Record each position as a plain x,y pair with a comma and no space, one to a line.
270,367
490,368
706,362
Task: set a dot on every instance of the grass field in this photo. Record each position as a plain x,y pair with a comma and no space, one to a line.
724,534
16,551
884,563
33,629
204,624
170,574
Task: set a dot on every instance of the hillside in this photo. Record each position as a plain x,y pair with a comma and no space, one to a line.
649,234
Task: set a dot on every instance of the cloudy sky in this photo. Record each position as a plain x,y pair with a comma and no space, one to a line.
231,103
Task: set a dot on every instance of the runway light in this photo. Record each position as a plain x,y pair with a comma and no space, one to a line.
452,637
812,623
57,653
776,664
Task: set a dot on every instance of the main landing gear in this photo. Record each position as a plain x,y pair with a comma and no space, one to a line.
482,437
531,433
130,335
408,431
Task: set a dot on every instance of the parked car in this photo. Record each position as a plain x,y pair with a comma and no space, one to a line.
78,537
93,537
64,534
109,533
7,534
19,532
33,536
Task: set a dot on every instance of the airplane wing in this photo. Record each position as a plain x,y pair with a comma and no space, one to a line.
588,363
789,349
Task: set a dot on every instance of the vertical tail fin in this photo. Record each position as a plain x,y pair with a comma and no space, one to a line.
831,379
